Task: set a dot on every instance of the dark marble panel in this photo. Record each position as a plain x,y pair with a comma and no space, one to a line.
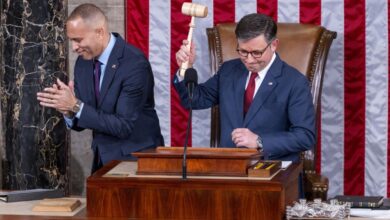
33,54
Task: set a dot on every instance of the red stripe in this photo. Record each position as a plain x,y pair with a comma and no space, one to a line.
354,96
268,7
224,11
310,12
179,32
388,109
137,24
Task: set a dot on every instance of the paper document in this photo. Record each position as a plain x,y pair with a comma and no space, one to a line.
286,164
372,214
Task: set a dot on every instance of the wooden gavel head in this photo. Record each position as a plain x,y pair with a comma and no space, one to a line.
193,9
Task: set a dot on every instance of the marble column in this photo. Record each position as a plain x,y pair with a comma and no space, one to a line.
33,54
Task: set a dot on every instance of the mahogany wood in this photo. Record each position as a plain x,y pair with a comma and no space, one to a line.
174,198
200,161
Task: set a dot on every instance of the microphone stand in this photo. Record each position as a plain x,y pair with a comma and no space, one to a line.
186,142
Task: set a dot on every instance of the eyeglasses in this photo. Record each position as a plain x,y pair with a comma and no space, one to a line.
255,53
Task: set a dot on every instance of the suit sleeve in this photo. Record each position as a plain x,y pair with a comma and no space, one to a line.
205,95
77,92
301,134
129,104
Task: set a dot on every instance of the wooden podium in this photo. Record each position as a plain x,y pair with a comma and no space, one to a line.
200,161
197,197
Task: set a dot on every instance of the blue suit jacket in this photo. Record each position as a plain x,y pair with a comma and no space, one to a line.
282,112
124,120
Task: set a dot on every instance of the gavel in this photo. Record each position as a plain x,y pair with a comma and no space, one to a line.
194,10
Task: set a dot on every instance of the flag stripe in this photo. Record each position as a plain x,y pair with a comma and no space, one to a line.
354,104
288,11
310,12
332,103
201,118
244,7
137,24
159,50
179,32
376,90
268,7
388,101
224,11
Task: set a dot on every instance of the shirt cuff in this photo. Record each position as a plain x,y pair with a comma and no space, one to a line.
78,114
178,78
68,121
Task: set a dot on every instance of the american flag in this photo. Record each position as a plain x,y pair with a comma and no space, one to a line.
354,137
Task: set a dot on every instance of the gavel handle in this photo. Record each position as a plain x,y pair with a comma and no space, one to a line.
184,66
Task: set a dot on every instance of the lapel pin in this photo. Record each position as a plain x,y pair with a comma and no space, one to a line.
270,83
113,66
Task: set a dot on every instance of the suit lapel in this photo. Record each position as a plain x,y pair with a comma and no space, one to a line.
238,91
111,67
89,82
266,88
108,77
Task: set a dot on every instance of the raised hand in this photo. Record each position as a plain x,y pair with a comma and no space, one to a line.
185,54
60,96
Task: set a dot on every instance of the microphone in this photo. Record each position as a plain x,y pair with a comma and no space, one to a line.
191,80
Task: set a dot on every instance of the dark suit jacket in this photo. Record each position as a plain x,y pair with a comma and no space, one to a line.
124,120
282,111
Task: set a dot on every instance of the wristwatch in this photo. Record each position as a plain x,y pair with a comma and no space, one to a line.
76,107
259,143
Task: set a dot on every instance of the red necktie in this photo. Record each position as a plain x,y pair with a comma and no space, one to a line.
96,76
249,92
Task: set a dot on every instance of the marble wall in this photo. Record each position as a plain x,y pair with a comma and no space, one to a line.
81,153
33,53
34,147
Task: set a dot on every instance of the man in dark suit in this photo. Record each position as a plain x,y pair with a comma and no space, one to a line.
264,103
112,93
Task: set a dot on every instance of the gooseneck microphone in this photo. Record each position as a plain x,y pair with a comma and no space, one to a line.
191,80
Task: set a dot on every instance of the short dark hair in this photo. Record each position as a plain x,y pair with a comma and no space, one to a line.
254,25
88,12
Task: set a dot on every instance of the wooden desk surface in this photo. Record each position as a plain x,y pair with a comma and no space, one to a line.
192,198
83,216
24,217
114,181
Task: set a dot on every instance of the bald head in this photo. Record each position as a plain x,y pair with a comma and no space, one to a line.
91,15
87,30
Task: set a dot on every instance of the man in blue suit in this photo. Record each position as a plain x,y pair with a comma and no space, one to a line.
112,93
264,103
